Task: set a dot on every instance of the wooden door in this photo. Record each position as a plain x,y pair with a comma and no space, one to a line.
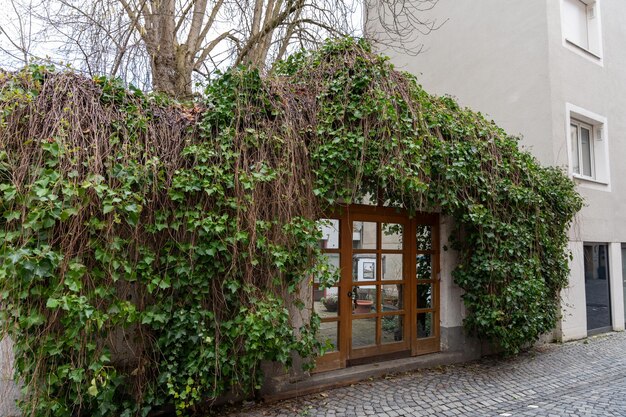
387,296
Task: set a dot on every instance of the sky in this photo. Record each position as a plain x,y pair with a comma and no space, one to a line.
15,24
14,21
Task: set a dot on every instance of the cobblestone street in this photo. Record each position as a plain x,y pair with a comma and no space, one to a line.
583,378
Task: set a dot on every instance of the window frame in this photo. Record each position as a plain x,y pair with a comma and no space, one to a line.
599,147
593,31
579,125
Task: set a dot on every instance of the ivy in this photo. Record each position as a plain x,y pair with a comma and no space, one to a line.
154,252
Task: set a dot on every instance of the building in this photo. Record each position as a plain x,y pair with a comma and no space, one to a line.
554,72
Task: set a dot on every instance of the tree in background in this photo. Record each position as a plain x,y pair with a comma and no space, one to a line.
161,44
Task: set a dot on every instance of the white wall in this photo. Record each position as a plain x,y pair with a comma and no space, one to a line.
573,307
616,286
492,55
452,311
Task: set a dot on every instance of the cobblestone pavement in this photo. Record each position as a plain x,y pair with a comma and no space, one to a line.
584,378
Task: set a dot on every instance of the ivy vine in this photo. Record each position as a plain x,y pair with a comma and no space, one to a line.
154,253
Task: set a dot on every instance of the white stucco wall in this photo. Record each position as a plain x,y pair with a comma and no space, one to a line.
616,286
492,55
573,308
453,310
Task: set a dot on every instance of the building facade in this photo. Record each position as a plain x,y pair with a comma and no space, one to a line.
554,73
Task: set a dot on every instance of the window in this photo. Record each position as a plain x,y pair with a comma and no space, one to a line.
588,148
582,149
581,26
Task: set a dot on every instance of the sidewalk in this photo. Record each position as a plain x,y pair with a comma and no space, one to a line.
583,378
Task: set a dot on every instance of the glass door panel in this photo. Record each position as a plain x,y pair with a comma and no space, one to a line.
378,279
364,299
423,267
328,335
424,295
392,328
424,237
392,236
425,326
364,267
392,266
326,298
364,235
364,332
392,298
326,302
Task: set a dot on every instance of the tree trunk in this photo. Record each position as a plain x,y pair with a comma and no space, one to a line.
171,73
170,61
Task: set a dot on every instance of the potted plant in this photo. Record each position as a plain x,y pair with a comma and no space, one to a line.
363,306
330,303
364,301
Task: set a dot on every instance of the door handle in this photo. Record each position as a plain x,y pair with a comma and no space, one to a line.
354,293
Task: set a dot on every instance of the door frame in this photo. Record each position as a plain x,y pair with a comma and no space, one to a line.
410,345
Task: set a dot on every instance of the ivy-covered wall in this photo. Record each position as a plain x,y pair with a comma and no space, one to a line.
183,231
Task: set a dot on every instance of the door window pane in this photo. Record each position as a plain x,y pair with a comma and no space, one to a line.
424,296
364,299
363,332
424,237
597,286
364,235
391,236
392,266
330,273
326,302
392,296
330,233
423,267
364,267
328,335
392,329
424,325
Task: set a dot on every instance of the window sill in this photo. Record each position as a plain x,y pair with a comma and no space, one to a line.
583,50
592,180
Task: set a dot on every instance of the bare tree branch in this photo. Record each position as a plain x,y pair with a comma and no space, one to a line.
161,44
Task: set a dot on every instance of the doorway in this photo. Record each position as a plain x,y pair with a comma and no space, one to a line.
597,288
624,276
385,300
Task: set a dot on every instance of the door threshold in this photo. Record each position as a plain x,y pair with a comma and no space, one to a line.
278,388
